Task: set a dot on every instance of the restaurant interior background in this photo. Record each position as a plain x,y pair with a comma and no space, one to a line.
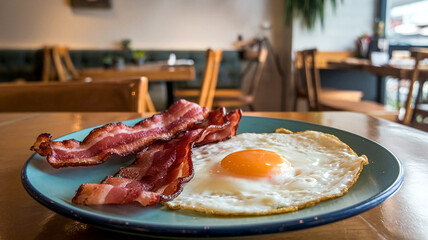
36,202
195,25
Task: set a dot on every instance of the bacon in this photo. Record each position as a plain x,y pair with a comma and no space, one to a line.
115,191
159,171
118,138
227,126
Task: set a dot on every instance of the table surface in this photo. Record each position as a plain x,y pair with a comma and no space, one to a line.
403,216
153,71
402,72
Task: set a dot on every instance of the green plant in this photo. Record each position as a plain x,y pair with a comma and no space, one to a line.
126,43
107,59
138,54
308,10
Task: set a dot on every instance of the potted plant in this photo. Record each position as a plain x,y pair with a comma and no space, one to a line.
308,10
126,44
139,56
107,61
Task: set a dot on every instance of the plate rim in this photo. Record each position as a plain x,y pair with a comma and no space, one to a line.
252,229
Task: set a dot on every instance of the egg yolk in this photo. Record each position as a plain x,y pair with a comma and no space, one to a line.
252,163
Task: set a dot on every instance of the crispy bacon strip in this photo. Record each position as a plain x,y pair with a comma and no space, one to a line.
227,126
118,138
160,170
115,191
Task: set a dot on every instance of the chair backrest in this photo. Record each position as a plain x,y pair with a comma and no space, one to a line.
298,65
324,57
48,73
311,78
320,61
64,67
117,96
209,81
419,54
149,106
257,75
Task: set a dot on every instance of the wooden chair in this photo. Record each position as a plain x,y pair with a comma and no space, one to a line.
148,100
205,95
323,93
324,57
315,103
117,96
58,66
418,115
64,66
48,72
245,96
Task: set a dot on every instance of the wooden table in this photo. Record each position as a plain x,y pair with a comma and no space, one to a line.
403,216
401,72
155,72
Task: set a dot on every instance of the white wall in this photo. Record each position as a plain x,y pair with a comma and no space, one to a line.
160,24
342,27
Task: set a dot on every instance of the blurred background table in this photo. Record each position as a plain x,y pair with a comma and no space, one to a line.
386,70
379,70
403,216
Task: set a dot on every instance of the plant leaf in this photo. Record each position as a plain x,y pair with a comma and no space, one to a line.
308,10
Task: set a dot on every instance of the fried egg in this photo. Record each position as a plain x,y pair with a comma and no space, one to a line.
259,174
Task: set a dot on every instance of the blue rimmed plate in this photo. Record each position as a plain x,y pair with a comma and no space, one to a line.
54,188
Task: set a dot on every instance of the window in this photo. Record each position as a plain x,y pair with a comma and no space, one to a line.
407,21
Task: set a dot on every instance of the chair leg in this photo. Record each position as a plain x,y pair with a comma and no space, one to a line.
150,105
251,106
295,104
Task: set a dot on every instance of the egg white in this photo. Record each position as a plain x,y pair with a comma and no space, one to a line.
322,167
